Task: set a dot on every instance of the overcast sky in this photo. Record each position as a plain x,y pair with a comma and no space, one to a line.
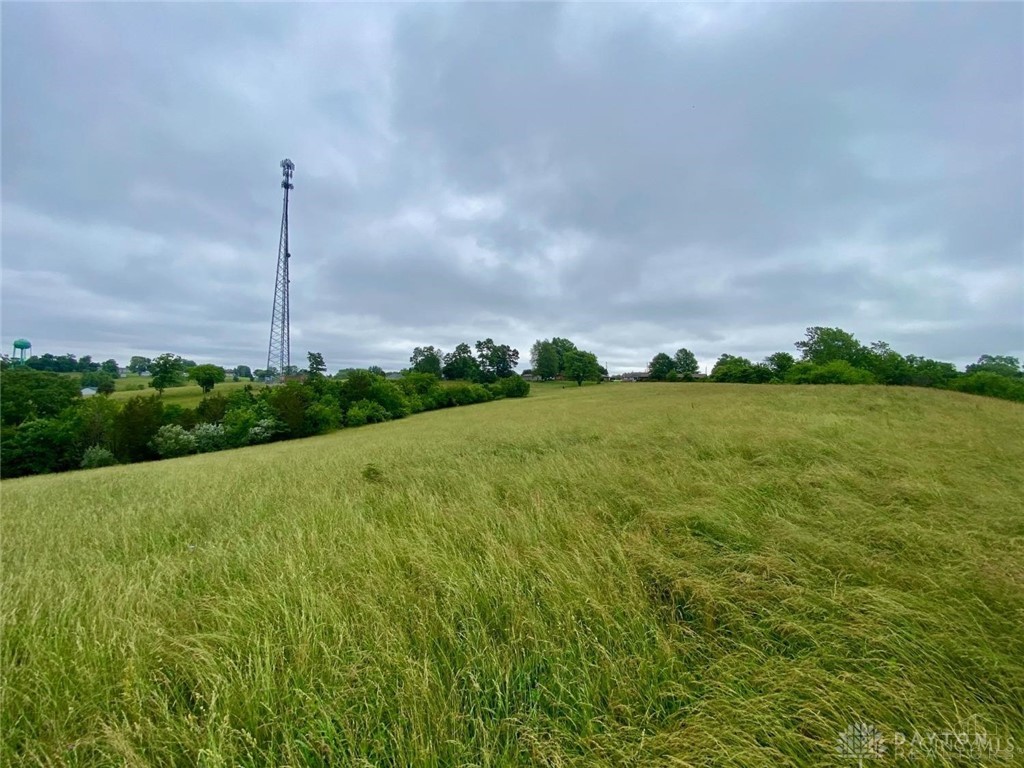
635,178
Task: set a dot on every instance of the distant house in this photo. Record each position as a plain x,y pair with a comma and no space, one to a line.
530,377
636,376
89,391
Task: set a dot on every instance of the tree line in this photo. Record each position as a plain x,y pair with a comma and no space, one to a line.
835,356
48,427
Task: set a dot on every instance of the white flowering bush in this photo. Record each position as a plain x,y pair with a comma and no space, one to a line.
263,431
209,437
172,440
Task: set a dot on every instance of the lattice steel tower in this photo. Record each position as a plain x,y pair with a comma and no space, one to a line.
279,353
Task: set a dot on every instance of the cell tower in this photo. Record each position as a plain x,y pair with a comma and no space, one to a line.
279,353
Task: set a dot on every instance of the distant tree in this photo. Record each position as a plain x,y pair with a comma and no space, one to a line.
110,367
139,364
54,364
990,384
930,373
581,366
886,365
686,363
167,371
377,371
739,370
86,364
545,359
661,366
206,376
496,360
101,380
459,364
824,345
317,367
779,364
562,347
187,364
1001,365
427,360
243,372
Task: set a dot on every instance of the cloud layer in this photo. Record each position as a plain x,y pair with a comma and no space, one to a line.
635,178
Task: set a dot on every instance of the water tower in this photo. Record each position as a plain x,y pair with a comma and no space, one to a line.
20,345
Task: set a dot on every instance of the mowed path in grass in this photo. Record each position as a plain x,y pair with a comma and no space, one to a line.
623,574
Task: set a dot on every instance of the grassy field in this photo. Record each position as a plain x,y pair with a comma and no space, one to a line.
625,574
188,396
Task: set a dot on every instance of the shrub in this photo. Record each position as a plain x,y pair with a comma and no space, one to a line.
464,393
212,409
515,386
172,440
835,372
209,437
365,412
990,385
322,417
264,431
390,396
97,456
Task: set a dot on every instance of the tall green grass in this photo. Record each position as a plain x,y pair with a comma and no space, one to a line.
614,575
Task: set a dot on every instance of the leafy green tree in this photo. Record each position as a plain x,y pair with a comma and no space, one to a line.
886,365
39,446
110,367
135,426
93,422
167,370
317,366
86,364
990,384
1001,365
139,364
562,347
581,366
31,394
661,366
823,345
686,363
739,370
930,373
212,409
289,402
206,376
427,360
243,372
779,364
545,359
496,360
459,364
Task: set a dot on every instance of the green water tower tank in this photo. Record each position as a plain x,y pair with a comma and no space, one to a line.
20,346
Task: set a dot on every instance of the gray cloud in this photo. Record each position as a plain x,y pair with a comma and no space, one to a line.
635,178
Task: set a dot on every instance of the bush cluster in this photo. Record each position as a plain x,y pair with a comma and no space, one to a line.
49,428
